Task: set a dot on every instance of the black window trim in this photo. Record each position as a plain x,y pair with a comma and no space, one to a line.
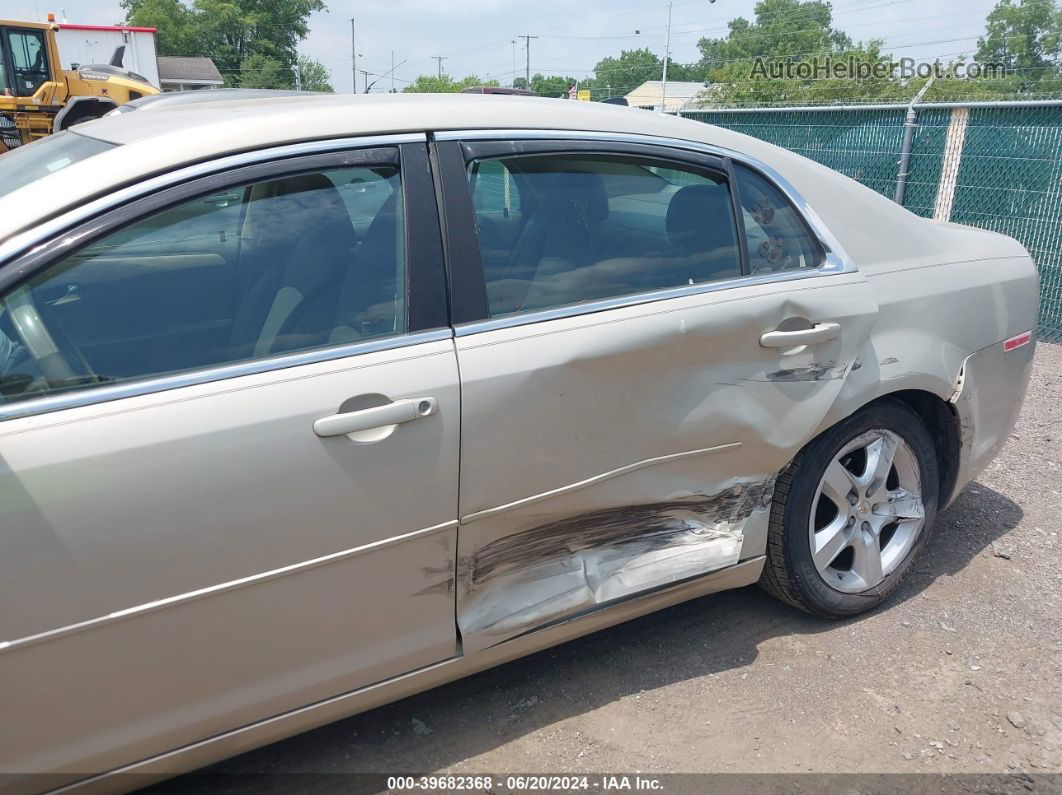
476,144
427,319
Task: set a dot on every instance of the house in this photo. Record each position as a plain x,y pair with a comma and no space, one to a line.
188,74
679,95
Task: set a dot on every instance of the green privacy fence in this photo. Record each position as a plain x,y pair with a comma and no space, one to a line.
996,166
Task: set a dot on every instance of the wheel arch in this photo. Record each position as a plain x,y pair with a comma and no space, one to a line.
944,428
76,108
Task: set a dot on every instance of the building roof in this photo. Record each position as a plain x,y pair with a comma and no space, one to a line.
114,28
176,69
679,94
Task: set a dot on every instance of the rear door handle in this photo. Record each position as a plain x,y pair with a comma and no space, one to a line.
820,332
377,417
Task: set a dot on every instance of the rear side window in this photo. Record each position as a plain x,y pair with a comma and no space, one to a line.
778,239
568,229
254,271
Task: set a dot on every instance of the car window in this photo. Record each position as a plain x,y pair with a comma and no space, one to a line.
253,271
778,240
591,227
493,188
29,163
29,59
364,191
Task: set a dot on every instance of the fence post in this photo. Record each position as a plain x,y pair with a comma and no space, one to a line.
909,124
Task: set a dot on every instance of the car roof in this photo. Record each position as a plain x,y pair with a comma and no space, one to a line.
279,119
170,136
159,139
169,98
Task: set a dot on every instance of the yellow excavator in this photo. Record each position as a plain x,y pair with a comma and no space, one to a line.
38,97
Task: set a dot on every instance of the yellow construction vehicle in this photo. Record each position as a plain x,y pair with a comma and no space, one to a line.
38,97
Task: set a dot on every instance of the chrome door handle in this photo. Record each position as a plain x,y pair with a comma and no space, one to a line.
377,417
820,332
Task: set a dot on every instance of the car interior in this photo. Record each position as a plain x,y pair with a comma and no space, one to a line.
564,230
274,267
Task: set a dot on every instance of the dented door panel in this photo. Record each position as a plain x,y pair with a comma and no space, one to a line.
641,444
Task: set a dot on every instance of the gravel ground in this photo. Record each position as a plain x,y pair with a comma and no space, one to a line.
960,673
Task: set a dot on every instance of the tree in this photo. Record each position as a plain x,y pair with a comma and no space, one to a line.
315,77
1026,37
260,71
174,21
229,31
779,58
431,84
556,86
622,75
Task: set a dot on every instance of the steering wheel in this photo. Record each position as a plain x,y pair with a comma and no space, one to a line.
50,358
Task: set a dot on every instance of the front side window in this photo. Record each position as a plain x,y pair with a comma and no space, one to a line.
249,272
29,59
26,164
558,230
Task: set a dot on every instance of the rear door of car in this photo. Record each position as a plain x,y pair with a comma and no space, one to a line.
615,358
203,530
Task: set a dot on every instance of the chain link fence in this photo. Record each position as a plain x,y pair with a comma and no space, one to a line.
999,168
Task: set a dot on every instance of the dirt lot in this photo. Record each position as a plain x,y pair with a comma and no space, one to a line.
960,672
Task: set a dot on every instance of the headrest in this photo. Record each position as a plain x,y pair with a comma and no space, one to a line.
699,218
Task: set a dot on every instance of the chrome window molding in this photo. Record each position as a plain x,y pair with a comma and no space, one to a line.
92,395
836,260
26,240
590,307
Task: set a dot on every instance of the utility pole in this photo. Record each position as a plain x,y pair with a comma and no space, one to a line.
365,75
392,71
527,47
354,52
298,77
440,59
667,52
514,61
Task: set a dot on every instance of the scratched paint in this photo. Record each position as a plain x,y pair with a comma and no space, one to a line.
816,371
573,565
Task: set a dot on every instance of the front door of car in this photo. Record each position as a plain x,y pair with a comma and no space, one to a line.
228,459
615,355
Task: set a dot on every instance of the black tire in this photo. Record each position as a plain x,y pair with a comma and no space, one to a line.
789,573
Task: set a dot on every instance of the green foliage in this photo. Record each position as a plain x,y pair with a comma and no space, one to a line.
556,86
260,71
1025,36
315,76
432,84
174,21
231,32
624,74
744,66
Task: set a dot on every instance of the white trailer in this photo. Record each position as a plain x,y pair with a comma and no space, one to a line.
80,45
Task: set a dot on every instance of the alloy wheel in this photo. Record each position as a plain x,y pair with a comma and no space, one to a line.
867,512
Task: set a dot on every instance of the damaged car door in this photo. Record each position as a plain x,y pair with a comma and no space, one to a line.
661,335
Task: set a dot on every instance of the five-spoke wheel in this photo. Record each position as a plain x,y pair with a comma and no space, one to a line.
851,512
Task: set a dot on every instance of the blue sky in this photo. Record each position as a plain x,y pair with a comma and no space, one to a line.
476,35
